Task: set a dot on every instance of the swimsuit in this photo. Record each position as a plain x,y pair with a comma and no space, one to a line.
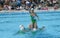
33,19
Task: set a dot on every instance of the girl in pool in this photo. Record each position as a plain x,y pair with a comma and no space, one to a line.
21,28
33,19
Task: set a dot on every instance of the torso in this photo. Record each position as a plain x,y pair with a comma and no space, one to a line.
32,14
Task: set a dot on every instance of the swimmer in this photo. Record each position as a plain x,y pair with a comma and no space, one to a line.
30,26
21,28
42,28
33,18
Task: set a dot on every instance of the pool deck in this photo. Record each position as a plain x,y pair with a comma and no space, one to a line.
28,11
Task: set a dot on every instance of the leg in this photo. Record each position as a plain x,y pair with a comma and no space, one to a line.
35,25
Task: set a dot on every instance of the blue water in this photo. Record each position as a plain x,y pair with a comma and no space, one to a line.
9,25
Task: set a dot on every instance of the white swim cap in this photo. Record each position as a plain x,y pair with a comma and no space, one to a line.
34,29
21,27
32,9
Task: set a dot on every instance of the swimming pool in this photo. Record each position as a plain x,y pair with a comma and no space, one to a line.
9,24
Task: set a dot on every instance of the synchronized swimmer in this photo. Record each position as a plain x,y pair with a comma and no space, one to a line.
33,16
32,26
33,19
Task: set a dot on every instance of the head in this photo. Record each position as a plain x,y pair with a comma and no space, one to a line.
32,10
30,26
34,29
21,27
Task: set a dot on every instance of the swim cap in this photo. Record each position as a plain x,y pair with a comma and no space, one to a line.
34,29
32,9
20,25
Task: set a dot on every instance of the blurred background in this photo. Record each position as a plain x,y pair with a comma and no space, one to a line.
27,4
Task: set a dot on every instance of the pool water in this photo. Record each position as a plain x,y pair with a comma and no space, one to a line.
9,25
